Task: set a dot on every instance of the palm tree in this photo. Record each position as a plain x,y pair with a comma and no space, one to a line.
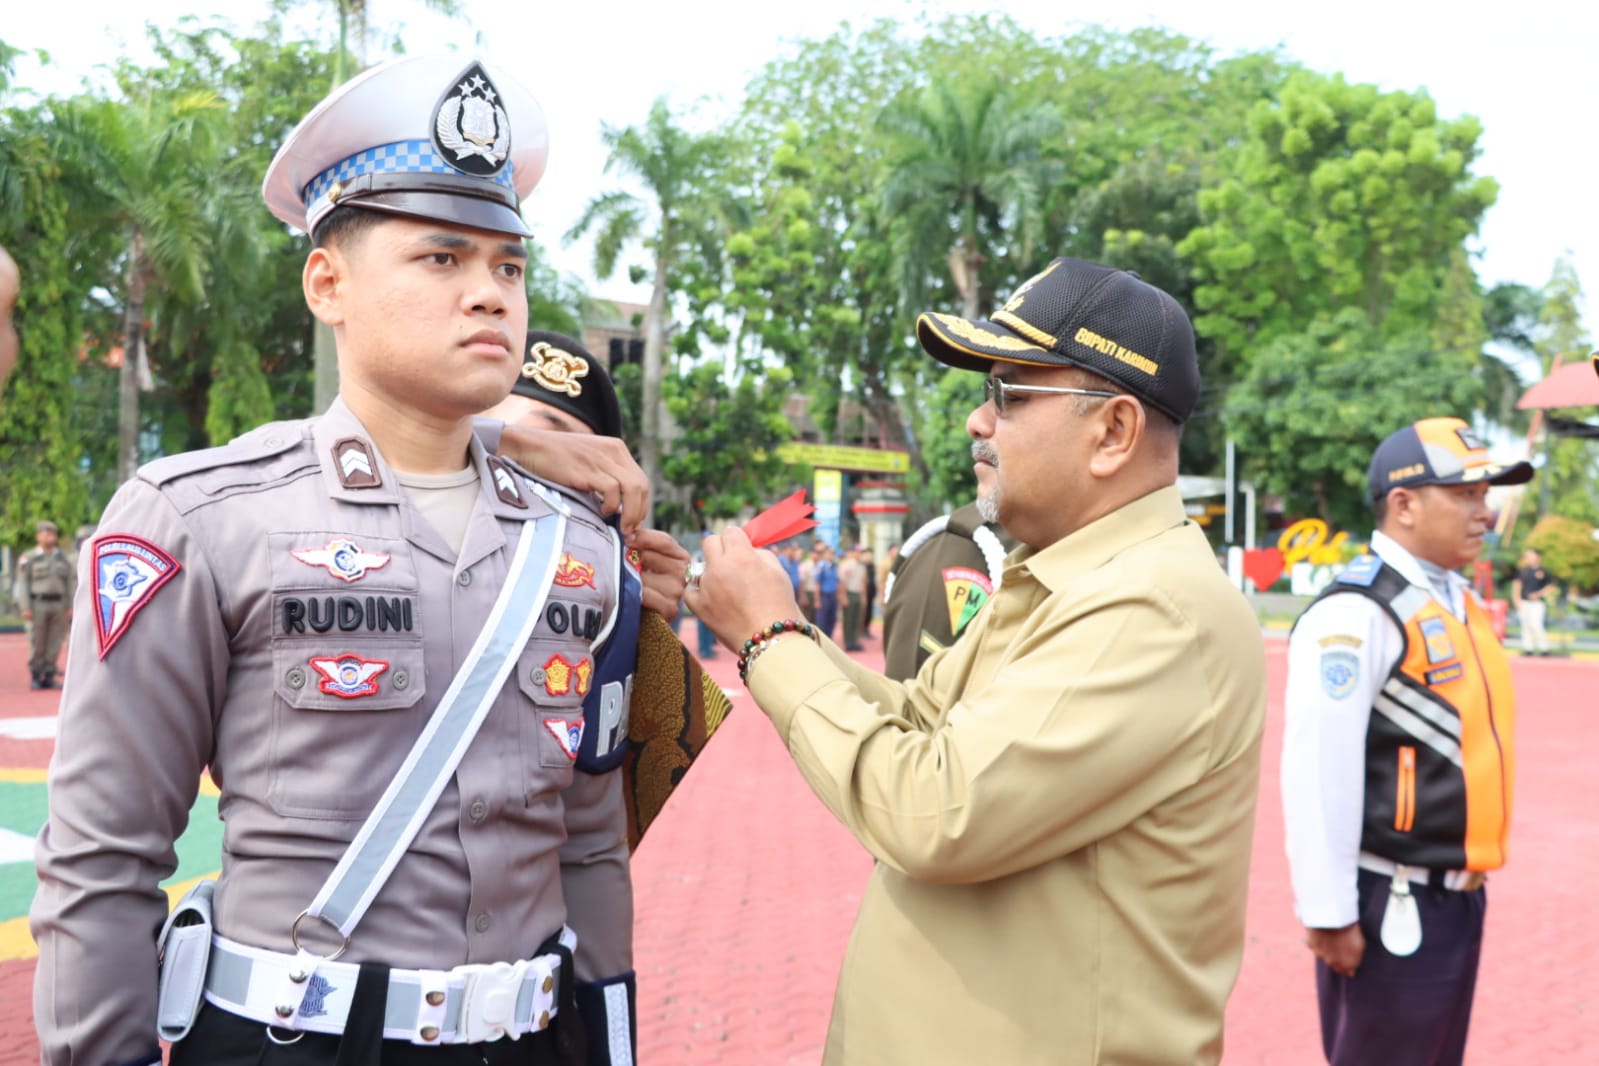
681,218
154,162
967,173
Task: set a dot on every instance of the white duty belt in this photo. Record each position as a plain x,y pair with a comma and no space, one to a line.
468,1004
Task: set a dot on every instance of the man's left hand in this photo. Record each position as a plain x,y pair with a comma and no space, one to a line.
663,563
744,589
599,465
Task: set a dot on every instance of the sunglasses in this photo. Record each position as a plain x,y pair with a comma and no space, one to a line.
1002,394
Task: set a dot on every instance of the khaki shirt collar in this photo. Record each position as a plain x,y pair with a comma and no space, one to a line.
1101,540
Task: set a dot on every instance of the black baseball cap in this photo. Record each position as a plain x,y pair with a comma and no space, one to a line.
1078,313
1437,451
560,372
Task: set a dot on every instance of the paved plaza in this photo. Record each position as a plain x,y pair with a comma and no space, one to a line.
746,890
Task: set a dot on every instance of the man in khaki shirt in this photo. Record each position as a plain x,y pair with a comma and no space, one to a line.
45,584
1060,804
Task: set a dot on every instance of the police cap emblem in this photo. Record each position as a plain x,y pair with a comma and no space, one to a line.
470,128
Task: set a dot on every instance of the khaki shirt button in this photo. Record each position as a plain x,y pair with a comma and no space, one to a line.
464,578
479,811
538,675
482,924
295,678
401,679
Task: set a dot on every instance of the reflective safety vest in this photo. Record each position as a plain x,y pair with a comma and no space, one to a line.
1440,746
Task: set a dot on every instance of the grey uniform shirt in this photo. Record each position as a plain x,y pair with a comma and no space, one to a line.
301,677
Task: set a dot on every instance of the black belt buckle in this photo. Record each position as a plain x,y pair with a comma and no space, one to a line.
48,599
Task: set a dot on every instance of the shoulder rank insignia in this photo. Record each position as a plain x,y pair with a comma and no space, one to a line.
348,677
505,483
128,571
965,590
1361,571
343,558
568,734
357,466
555,369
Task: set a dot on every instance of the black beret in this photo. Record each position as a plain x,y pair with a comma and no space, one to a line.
560,372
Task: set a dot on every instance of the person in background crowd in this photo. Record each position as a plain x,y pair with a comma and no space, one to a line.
826,579
870,563
46,582
1398,759
1530,592
852,582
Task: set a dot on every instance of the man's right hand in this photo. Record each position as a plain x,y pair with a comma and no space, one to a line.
1341,949
27,615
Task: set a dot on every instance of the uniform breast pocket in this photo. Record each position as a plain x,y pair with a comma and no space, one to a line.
552,678
344,721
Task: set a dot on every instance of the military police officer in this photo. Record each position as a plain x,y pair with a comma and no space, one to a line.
382,641
946,571
44,587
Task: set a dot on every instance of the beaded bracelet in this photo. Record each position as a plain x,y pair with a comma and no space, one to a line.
756,644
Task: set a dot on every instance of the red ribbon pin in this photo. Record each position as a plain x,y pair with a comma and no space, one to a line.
786,518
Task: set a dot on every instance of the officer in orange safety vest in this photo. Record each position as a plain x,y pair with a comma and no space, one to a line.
1399,757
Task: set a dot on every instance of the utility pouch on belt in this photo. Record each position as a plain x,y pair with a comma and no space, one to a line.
1401,922
183,948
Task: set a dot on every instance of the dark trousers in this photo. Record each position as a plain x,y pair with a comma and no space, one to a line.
827,613
1411,1011
222,1039
46,633
853,601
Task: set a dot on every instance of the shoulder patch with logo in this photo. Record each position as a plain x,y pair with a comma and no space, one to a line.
568,733
1340,670
1436,633
965,591
343,558
128,571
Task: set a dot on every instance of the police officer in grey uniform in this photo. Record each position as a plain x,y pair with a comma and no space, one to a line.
314,613
44,587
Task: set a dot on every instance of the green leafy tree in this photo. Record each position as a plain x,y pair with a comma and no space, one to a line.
39,438
1569,480
679,220
710,412
1306,423
152,158
967,172
1569,550
1342,197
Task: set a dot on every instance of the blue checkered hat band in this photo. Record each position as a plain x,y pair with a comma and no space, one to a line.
401,157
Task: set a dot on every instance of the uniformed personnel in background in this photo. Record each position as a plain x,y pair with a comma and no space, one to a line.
1061,803
944,572
381,640
675,706
46,580
1399,757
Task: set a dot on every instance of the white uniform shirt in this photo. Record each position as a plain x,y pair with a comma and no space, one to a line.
1324,735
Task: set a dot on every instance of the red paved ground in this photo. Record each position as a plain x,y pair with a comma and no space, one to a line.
746,890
